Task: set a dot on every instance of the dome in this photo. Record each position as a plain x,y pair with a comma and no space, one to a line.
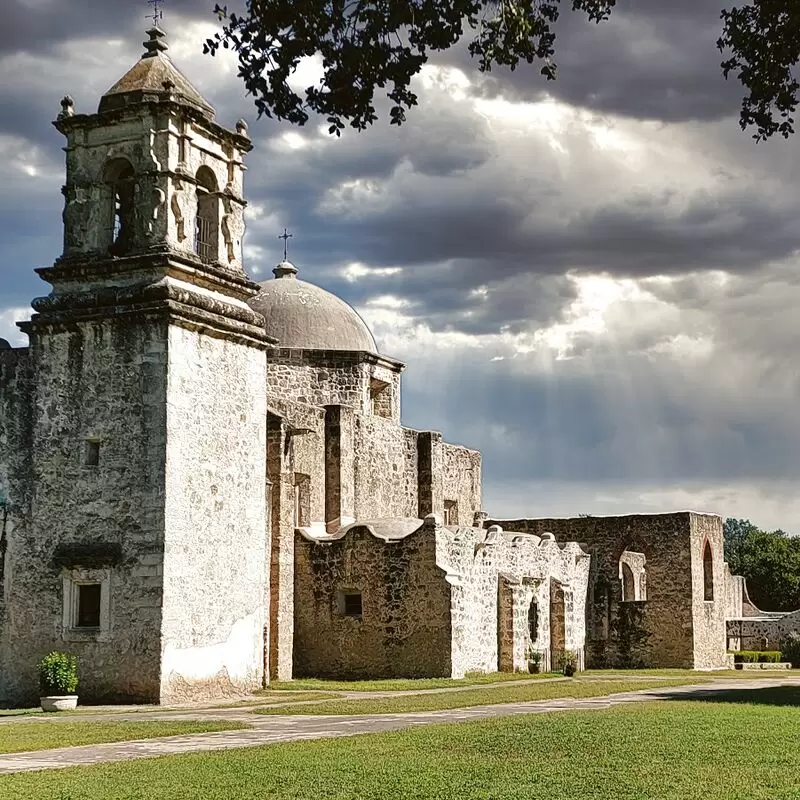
300,314
5,344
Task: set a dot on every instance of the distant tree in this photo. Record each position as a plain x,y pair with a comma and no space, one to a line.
382,44
735,533
769,560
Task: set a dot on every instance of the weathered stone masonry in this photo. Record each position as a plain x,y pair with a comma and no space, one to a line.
675,626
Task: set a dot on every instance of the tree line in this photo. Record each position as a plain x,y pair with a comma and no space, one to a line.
769,560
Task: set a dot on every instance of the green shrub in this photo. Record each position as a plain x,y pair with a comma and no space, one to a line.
757,657
58,674
569,663
790,649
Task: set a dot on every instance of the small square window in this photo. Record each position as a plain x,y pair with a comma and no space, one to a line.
92,453
352,604
88,606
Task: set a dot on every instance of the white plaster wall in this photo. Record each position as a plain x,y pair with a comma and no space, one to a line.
215,549
475,559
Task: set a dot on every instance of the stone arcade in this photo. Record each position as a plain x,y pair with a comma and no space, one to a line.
205,483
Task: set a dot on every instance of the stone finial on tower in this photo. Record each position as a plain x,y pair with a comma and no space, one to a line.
154,45
67,107
241,128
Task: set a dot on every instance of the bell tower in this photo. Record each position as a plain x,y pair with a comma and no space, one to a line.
148,412
152,170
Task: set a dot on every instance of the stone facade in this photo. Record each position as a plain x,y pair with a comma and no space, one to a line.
412,598
205,482
675,626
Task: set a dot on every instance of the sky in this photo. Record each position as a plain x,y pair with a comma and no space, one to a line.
594,281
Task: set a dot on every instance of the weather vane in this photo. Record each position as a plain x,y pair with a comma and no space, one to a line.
285,236
157,14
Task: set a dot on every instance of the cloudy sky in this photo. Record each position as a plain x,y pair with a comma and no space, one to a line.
594,281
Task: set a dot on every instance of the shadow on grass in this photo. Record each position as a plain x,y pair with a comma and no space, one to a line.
768,696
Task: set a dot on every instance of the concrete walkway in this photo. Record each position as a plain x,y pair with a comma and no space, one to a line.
267,730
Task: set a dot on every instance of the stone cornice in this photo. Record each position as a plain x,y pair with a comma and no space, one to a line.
153,107
171,310
162,261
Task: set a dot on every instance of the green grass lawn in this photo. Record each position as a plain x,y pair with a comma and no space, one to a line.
482,696
46,735
677,750
399,684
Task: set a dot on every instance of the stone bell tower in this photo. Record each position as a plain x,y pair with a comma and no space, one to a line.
144,546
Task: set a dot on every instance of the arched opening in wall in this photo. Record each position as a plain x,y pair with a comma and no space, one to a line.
708,572
633,576
206,228
533,621
119,179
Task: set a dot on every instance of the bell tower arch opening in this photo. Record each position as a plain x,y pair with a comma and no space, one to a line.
206,231
120,188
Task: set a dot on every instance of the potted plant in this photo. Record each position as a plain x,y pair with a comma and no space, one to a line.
58,682
534,661
570,664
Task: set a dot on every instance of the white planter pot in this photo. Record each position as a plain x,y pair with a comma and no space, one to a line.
59,703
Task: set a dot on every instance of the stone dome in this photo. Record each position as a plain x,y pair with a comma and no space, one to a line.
300,314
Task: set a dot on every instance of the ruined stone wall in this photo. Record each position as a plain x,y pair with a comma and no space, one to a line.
105,381
658,632
404,630
491,633
215,549
735,592
461,482
385,469
765,632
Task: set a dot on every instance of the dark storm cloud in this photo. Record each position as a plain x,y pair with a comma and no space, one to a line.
36,28
654,59
485,229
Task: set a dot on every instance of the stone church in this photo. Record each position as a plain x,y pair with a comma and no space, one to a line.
205,483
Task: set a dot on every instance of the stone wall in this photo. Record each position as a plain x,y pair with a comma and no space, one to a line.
215,547
765,632
361,381
103,381
661,632
385,469
404,630
317,378
15,484
495,576
461,483
710,639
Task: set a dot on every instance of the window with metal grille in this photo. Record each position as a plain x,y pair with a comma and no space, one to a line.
206,228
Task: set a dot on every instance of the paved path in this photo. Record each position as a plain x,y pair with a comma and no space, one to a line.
273,729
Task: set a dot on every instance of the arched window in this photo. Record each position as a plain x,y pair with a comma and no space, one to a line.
118,176
633,576
708,572
533,621
206,230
